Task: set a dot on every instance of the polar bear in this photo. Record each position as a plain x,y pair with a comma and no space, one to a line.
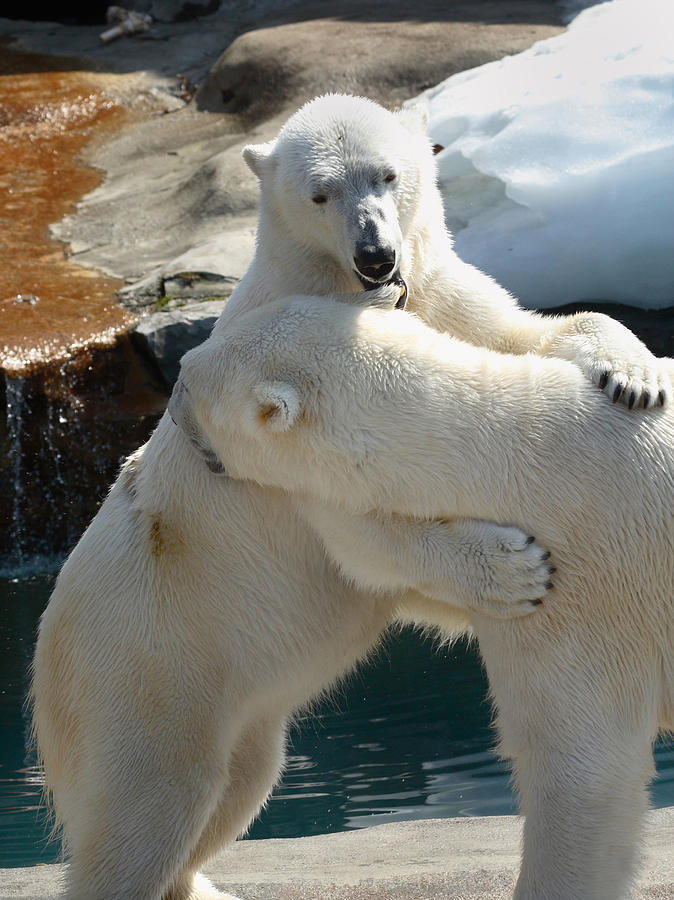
338,404
198,611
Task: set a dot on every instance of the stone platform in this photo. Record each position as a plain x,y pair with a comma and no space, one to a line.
429,859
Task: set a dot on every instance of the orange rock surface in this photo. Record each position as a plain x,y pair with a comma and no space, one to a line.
50,308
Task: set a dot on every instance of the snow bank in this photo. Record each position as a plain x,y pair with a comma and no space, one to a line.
558,168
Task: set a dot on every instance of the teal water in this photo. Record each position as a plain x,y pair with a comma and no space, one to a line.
408,737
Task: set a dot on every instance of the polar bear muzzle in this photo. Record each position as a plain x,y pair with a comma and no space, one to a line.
374,263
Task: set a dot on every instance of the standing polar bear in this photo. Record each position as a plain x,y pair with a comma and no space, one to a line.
337,405
198,611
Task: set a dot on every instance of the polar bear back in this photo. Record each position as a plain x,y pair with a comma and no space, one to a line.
377,380
391,415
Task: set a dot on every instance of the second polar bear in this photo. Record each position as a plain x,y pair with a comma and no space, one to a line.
198,612
337,405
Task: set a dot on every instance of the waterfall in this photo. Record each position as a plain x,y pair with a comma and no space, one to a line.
38,491
65,430
14,415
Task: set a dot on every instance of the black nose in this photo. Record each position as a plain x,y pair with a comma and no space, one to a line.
373,262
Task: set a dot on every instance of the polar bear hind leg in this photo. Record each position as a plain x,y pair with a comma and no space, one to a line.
136,852
254,768
582,765
131,832
584,809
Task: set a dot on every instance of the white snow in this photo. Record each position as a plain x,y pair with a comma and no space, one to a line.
558,168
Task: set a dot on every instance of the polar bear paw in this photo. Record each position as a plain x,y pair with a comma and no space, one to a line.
511,572
636,386
616,361
202,889
518,573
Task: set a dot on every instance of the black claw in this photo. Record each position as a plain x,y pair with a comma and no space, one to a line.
646,399
616,393
552,570
546,555
630,402
549,586
530,539
661,398
603,380
536,602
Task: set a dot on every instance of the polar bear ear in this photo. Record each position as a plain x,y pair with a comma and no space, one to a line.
278,405
259,158
414,118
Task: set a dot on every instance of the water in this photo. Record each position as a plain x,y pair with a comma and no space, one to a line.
408,737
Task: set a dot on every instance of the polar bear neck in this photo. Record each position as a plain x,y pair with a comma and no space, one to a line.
283,268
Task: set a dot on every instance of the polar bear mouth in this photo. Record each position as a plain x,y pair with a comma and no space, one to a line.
397,279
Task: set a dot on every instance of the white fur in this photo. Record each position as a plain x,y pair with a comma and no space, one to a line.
583,687
198,611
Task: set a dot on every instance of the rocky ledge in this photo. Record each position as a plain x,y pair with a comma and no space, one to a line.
430,859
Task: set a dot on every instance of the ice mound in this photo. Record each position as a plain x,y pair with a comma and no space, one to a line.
558,168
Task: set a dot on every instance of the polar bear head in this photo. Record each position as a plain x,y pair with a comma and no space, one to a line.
241,389
295,379
347,182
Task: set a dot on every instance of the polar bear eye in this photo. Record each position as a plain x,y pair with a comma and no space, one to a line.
389,177
319,198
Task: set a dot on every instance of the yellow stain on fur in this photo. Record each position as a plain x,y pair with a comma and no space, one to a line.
157,542
162,541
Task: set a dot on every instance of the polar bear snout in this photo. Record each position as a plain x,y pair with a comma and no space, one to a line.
374,264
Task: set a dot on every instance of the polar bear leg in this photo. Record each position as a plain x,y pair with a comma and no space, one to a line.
584,806
582,762
137,852
469,563
140,815
254,768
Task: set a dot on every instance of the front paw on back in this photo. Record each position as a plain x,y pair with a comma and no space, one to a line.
649,388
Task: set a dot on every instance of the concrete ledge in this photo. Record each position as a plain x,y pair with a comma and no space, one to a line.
457,859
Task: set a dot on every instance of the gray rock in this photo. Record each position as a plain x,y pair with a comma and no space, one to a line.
223,258
164,337
387,51
198,285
